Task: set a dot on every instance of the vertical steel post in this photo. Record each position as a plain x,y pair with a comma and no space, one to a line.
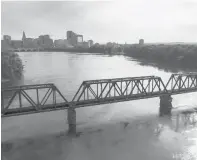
20,99
38,102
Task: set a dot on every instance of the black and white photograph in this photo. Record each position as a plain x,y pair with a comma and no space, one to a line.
99,80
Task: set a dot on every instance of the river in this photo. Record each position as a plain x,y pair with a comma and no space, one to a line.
126,130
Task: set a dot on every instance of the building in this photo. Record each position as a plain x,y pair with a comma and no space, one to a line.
7,39
141,42
109,45
45,41
62,43
90,43
97,45
17,44
6,43
83,44
28,43
36,43
23,37
72,38
79,38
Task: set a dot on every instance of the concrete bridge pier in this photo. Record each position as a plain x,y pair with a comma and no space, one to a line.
71,117
165,105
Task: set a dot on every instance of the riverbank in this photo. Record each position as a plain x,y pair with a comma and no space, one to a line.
172,58
12,66
168,57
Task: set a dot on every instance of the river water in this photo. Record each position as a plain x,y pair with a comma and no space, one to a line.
126,130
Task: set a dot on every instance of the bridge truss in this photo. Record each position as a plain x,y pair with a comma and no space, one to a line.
31,99
119,89
46,97
181,83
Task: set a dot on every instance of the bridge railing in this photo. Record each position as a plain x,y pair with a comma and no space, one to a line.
118,89
182,83
32,98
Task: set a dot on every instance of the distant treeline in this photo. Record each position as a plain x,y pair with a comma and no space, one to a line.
93,49
179,56
79,50
11,66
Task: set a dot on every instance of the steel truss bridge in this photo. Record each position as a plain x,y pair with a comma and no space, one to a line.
29,99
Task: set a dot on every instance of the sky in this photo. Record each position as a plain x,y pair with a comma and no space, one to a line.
103,21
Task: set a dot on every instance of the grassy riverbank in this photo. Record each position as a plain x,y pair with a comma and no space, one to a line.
11,66
178,57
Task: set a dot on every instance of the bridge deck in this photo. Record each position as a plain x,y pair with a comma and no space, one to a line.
45,97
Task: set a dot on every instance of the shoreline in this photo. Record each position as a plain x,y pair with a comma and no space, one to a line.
170,58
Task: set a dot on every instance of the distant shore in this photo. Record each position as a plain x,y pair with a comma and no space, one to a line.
12,67
172,58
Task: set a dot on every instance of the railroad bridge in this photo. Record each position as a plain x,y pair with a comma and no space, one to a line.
28,99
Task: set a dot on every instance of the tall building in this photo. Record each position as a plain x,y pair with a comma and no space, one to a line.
23,37
6,43
45,41
90,42
7,39
79,38
141,42
72,38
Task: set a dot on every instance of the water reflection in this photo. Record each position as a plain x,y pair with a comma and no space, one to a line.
178,122
185,120
145,138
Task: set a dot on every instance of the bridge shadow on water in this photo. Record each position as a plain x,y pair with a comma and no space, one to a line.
147,137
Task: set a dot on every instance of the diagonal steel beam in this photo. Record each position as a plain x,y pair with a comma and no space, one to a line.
29,99
103,90
127,84
10,101
109,90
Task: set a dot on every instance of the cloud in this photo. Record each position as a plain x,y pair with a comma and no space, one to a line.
102,21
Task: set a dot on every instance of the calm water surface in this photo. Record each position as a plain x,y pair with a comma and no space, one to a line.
127,130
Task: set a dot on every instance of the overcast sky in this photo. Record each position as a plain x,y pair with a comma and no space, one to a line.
103,21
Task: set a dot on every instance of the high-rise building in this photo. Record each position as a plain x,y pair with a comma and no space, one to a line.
72,38
79,38
90,42
6,42
45,41
141,41
23,37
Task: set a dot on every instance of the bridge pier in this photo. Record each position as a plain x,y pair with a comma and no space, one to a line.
165,105
71,117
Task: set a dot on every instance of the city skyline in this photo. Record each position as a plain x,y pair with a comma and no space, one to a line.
115,21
